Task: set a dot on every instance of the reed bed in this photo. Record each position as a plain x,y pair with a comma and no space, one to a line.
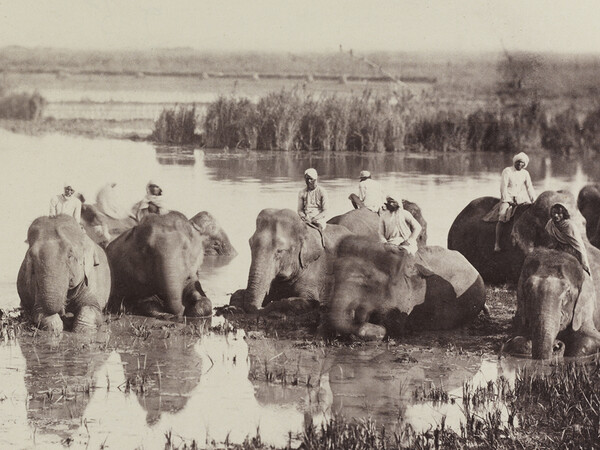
176,126
292,120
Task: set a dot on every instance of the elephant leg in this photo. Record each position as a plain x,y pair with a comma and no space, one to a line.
237,300
291,306
87,318
196,303
371,332
582,344
517,346
151,307
52,322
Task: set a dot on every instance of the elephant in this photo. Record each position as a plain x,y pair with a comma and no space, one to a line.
379,292
63,272
588,202
290,260
363,221
474,238
155,268
104,221
553,302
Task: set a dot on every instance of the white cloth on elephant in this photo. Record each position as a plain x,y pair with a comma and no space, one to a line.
107,202
371,194
399,228
69,206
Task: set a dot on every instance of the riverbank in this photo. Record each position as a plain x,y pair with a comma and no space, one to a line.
135,129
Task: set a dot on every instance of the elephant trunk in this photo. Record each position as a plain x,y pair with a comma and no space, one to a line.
51,292
544,336
171,283
342,316
262,273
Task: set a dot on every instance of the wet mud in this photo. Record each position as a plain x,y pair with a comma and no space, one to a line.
136,378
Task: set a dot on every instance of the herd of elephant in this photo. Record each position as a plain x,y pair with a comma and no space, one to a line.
71,274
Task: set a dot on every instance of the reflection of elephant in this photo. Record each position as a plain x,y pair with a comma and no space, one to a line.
553,302
474,238
588,202
63,272
155,268
289,259
365,222
58,382
436,289
105,220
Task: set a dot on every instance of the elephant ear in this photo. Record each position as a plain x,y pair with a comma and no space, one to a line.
584,305
311,247
408,283
524,231
90,257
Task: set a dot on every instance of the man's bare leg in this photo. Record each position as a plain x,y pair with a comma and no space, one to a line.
498,233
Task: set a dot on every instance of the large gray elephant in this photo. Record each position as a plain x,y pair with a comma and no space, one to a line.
553,302
289,260
588,202
365,222
155,268
104,221
378,291
63,272
474,238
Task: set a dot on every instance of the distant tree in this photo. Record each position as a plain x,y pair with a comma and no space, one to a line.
519,71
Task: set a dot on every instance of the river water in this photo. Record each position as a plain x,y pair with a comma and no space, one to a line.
207,387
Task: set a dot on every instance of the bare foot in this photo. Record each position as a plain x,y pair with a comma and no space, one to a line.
497,248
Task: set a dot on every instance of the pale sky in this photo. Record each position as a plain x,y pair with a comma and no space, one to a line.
307,25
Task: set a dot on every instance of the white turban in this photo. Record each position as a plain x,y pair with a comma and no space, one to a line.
311,173
521,157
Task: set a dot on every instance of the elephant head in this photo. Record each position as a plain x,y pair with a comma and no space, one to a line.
555,299
216,241
159,257
529,229
282,247
369,280
54,269
588,202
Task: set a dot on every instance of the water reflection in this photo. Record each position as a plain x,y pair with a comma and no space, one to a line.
171,156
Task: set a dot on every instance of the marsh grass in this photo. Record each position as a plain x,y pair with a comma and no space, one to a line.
553,408
176,126
11,324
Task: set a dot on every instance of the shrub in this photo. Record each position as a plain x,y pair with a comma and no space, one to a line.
22,106
176,126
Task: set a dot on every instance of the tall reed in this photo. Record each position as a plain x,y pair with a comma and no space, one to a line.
176,126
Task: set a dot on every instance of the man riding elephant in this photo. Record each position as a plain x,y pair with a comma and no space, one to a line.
474,237
63,272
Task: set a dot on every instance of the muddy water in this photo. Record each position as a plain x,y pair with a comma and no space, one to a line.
129,387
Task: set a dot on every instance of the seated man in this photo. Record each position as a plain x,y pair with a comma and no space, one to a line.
515,189
398,227
152,203
566,236
370,193
66,203
312,201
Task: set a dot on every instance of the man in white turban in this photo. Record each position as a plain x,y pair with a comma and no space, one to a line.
515,189
66,204
370,193
312,200
152,203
